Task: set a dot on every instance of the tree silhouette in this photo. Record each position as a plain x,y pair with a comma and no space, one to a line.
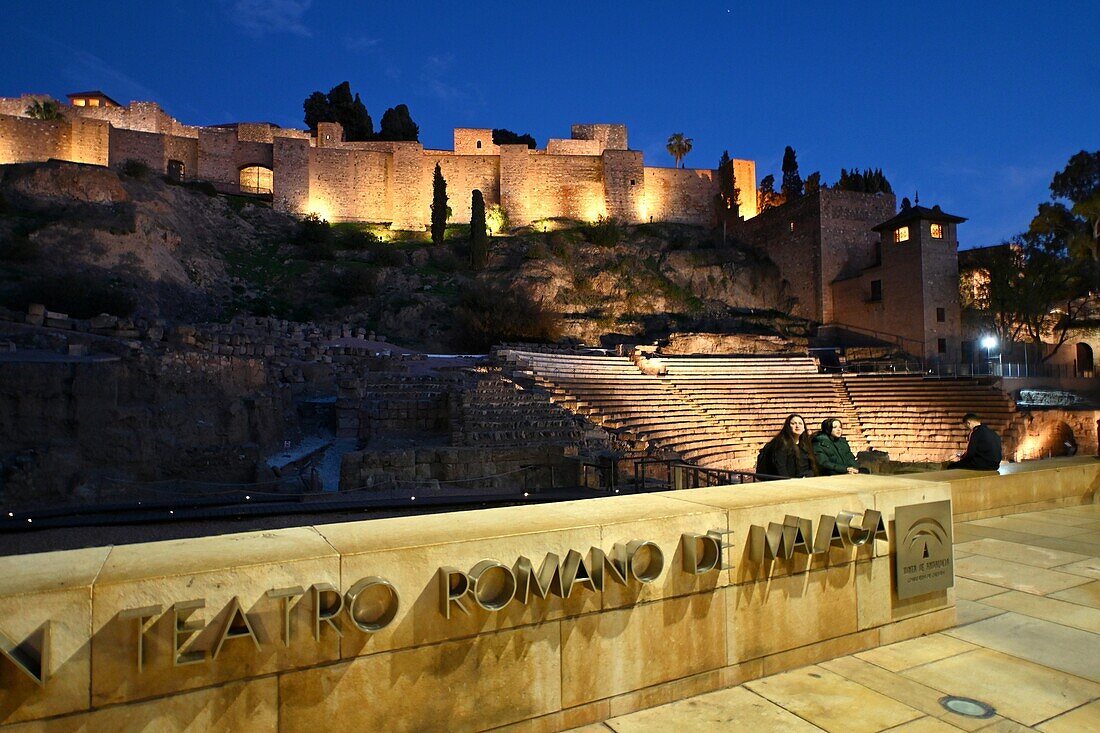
339,105
792,181
678,146
397,125
728,193
43,110
479,236
502,136
439,206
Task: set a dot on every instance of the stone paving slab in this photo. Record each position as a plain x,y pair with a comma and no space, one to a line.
1027,643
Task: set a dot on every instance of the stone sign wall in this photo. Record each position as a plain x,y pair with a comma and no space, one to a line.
560,614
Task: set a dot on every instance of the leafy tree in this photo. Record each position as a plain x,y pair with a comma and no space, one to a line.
397,125
1079,224
792,181
766,195
43,110
502,136
440,211
867,181
813,183
479,234
678,146
1029,287
339,105
729,196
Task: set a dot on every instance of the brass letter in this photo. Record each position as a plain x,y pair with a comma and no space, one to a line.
234,630
290,597
702,552
854,534
656,560
142,615
382,618
574,570
185,631
498,597
827,535
37,669
803,534
453,584
322,614
614,565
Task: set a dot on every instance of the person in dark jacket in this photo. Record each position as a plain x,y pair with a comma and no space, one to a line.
834,455
789,453
983,450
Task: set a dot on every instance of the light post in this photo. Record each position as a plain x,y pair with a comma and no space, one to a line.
989,343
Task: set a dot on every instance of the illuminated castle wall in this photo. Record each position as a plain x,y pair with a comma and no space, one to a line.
591,174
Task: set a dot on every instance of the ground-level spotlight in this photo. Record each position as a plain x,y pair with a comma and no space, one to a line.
967,706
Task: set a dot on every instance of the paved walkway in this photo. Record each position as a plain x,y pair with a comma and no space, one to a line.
1027,644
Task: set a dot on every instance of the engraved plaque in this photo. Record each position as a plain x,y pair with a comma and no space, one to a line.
924,559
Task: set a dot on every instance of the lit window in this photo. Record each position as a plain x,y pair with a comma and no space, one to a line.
93,102
792,226
78,102
937,231
901,234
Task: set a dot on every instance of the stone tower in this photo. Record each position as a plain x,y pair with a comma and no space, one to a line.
918,283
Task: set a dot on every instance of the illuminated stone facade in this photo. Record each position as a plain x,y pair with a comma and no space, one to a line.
589,175
840,253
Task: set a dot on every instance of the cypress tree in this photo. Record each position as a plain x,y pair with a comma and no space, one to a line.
439,206
792,181
479,235
727,184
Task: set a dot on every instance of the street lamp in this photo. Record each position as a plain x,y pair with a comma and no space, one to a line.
989,343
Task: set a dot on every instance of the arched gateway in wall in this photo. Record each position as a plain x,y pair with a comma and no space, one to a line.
256,179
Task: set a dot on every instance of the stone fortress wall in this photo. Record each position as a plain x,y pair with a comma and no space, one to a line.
589,175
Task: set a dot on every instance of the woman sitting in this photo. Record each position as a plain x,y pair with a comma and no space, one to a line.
834,455
788,454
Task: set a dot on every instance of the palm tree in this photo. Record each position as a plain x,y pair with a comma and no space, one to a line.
43,110
678,146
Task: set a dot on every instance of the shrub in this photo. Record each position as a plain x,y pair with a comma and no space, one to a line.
315,237
135,168
488,314
355,238
604,232
496,219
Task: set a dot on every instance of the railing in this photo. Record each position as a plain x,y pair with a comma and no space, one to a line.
951,370
677,474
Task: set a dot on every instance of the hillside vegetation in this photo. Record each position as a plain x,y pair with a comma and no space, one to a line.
85,240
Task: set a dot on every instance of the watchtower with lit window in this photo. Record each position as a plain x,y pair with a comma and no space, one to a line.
919,286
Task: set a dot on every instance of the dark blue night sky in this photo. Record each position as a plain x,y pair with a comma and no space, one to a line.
974,105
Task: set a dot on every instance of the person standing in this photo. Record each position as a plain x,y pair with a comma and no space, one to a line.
983,449
789,454
834,455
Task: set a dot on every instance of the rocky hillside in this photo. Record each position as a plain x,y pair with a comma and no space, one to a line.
85,240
